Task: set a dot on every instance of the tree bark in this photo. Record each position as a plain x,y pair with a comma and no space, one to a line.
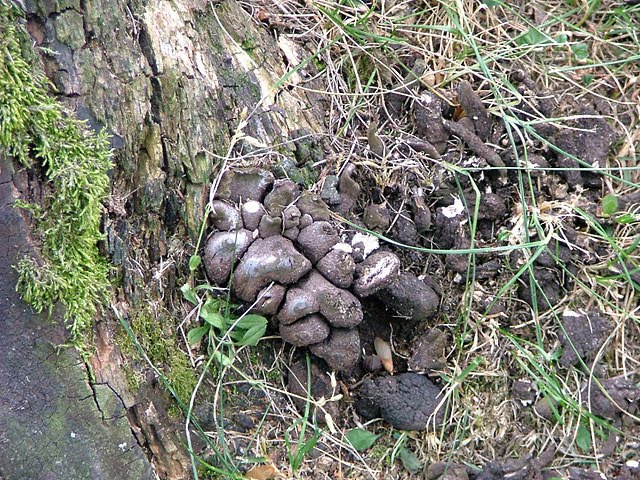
170,81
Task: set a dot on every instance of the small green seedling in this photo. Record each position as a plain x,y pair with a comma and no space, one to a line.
219,323
361,439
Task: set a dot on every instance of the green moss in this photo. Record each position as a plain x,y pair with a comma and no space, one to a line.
36,130
155,335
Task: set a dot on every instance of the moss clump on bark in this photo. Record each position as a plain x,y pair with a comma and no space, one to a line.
154,335
36,130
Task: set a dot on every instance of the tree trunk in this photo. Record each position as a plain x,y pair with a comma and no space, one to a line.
170,81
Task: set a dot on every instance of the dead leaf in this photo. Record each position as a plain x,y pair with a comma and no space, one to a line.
262,472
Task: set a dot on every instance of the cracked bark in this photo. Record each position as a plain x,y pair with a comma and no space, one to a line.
169,80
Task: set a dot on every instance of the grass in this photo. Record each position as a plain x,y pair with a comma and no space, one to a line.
578,50
73,162
364,54
574,50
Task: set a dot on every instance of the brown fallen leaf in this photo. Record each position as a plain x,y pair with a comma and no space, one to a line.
262,472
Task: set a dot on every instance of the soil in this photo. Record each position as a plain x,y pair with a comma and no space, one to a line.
343,287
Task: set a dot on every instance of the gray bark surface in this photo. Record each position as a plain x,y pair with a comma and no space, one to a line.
169,79
53,423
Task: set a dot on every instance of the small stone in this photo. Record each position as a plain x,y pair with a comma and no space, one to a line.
376,217
341,350
372,363
308,331
378,271
329,193
338,267
252,213
317,239
270,226
225,217
222,250
283,194
312,204
291,233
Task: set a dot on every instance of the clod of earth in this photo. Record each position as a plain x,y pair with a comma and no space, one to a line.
272,259
222,250
245,185
582,336
588,138
405,401
224,216
622,395
376,272
475,144
317,239
421,214
349,190
410,297
429,122
527,468
447,471
429,352
475,110
320,387
307,331
376,217
341,350
338,266
316,294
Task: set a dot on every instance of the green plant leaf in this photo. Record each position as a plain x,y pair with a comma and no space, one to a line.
583,439
580,51
194,262
361,439
609,204
189,293
197,334
627,218
222,359
251,336
210,313
533,36
409,460
249,321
